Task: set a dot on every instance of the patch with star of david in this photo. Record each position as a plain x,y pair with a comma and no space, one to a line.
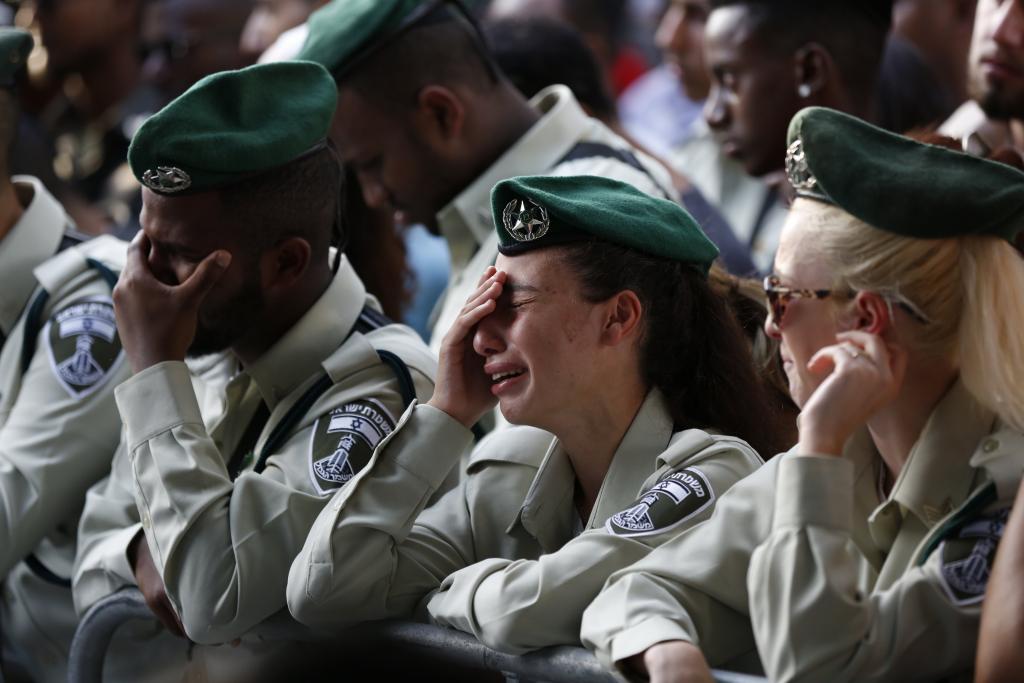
967,557
343,442
83,345
677,497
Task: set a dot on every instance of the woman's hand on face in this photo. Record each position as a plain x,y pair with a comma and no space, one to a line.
672,661
462,389
862,375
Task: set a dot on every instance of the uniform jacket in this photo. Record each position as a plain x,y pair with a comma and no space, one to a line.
58,422
224,546
565,141
502,556
837,581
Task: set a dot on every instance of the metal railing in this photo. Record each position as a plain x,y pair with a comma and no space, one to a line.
552,665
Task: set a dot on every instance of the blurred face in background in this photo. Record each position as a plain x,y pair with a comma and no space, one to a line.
76,31
184,40
997,58
271,18
680,37
753,91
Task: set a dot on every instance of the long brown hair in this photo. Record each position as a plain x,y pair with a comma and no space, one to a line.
692,348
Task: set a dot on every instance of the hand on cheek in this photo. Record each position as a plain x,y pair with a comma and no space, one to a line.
860,375
156,321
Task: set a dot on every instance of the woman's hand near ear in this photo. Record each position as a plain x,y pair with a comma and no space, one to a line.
863,374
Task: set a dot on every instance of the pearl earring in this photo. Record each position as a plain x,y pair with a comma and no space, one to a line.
803,90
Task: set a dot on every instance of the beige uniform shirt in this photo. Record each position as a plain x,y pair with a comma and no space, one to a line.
58,422
224,547
843,583
565,141
502,556
143,651
744,201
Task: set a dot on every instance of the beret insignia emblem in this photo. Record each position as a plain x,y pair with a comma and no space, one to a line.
799,173
525,220
167,179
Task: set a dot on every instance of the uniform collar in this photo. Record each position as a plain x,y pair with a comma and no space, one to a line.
547,513
466,221
300,353
34,238
938,475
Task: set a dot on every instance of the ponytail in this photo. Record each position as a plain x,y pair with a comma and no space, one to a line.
692,349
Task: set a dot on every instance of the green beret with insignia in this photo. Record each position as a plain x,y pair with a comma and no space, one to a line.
900,185
15,46
532,212
235,125
343,30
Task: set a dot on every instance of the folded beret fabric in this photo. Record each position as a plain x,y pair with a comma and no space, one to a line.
232,125
343,29
900,185
532,212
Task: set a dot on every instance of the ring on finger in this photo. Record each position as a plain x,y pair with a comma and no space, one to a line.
853,350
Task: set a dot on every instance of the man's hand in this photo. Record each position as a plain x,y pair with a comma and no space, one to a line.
157,322
673,661
152,585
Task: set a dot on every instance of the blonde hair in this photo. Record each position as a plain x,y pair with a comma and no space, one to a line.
970,289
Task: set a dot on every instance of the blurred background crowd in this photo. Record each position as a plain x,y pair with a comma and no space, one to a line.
641,66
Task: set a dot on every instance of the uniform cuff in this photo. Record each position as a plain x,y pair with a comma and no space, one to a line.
814,490
430,444
638,638
157,400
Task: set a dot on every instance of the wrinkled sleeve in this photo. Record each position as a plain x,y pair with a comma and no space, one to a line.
521,605
223,548
109,522
805,576
692,588
371,554
54,445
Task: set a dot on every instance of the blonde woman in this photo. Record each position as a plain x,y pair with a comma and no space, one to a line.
863,553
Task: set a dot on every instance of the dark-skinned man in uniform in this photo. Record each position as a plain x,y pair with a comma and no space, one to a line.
217,483
430,124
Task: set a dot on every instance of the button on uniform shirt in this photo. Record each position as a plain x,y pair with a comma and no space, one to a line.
500,556
565,141
58,422
223,546
836,581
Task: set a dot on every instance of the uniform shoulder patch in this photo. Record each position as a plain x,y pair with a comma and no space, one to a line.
83,345
344,440
677,497
967,557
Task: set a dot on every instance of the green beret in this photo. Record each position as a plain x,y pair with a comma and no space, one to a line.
344,29
532,212
900,185
15,44
234,125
